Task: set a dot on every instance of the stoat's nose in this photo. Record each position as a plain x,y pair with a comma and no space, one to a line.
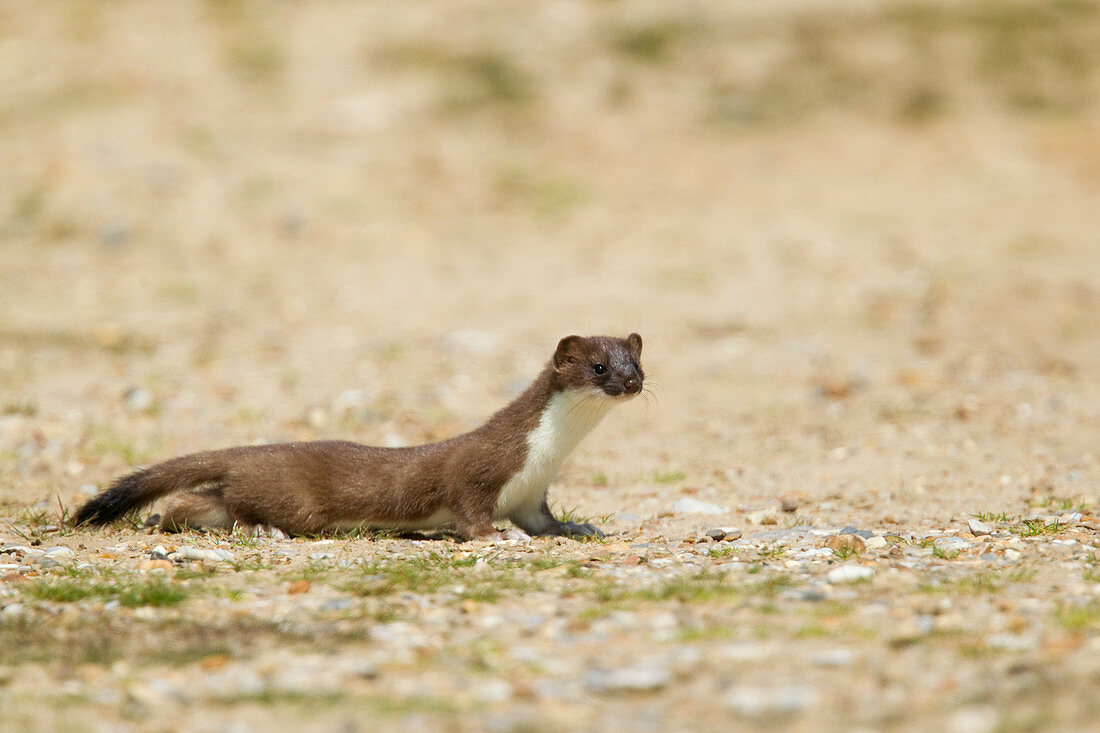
632,385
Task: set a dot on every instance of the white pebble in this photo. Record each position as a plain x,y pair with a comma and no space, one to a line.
12,611
978,527
138,399
850,574
761,702
833,658
198,553
24,551
639,678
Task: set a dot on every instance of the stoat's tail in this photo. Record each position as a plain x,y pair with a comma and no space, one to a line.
146,486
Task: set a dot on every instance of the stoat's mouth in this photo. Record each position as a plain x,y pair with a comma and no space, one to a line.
621,394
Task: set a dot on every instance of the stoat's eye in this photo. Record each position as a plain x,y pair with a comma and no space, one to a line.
599,368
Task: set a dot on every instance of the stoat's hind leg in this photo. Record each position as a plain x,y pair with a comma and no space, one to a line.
194,511
260,530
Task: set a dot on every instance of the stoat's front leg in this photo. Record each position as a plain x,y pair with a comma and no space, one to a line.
542,521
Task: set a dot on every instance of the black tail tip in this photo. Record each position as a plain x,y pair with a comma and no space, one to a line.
89,516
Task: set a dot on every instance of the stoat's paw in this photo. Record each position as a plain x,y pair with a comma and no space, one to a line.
578,529
260,530
513,535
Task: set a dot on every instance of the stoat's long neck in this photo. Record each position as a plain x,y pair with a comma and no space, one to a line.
567,416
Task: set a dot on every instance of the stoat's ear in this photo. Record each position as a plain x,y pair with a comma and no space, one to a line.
634,343
570,348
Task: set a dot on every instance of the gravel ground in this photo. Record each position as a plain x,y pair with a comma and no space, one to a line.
861,492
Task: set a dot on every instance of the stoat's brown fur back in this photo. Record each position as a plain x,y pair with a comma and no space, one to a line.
501,470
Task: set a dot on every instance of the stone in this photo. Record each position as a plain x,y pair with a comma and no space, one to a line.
337,604
850,574
950,544
184,554
147,565
688,505
764,516
317,417
876,543
978,527
642,677
1011,642
299,587
12,611
757,701
846,543
491,691
974,719
23,551
138,399
350,400
724,533
838,657
861,533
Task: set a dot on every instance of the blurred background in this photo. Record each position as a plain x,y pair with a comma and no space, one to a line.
859,238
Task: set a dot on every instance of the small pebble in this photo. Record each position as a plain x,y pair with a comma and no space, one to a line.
978,527
642,677
724,533
1011,642
12,611
850,543
833,658
975,719
950,543
754,701
24,551
876,542
850,574
197,553
147,565
317,417
764,516
337,604
492,692
138,399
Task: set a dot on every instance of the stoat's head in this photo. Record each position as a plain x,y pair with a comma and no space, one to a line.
610,365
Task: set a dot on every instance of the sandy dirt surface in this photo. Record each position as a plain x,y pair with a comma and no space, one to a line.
859,239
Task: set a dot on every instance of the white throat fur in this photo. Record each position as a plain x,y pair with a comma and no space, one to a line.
567,418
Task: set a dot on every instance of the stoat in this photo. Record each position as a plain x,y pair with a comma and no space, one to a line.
498,471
